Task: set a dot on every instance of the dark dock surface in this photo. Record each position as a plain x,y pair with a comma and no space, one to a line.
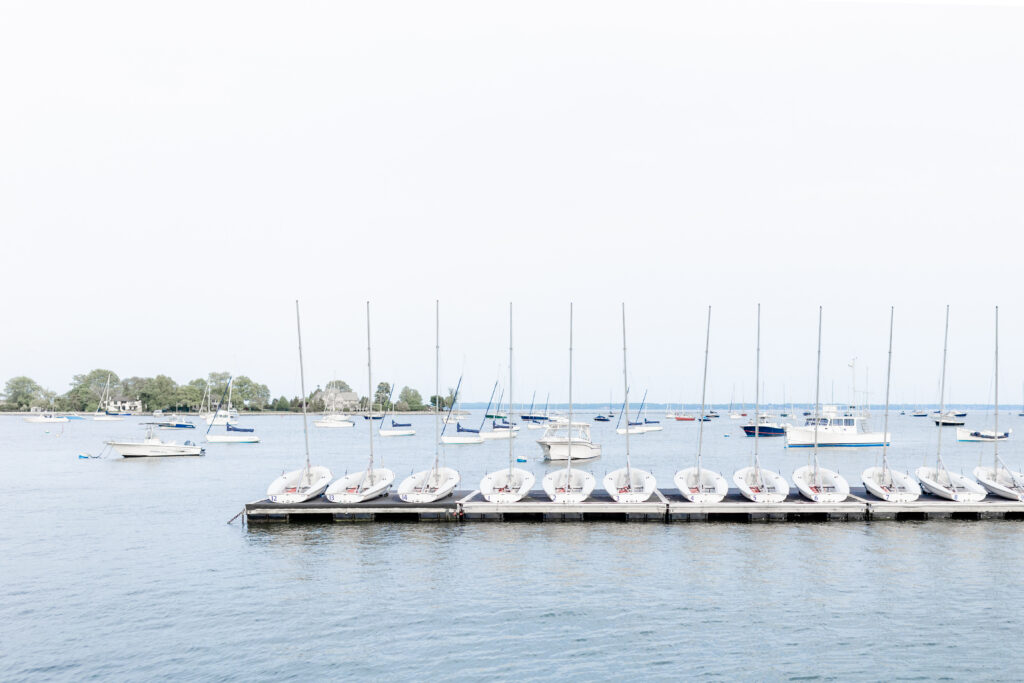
664,507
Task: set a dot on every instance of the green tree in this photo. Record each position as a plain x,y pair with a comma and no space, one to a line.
382,395
86,389
190,395
22,392
248,393
282,404
338,385
411,398
158,392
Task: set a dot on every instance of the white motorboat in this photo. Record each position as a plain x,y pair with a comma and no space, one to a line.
697,484
755,483
310,481
938,480
559,437
883,482
467,439
985,435
46,418
372,482
999,479
628,484
568,485
438,481
816,483
152,447
511,484
831,428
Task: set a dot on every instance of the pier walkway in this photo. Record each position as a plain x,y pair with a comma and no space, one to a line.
663,507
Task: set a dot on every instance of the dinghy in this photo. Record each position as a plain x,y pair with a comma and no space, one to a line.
938,480
310,481
436,482
511,484
697,484
816,483
568,485
756,484
883,482
372,482
999,479
628,484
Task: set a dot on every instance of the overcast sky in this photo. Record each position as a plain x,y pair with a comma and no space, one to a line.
174,175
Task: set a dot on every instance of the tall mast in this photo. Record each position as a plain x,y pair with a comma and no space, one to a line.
437,382
568,460
302,384
942,403
817,402
995,465
703,396
625,390
368,480
511,422
885,423
757,401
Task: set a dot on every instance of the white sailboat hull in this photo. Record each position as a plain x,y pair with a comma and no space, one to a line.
357,487
461,439
505,486
772,487
950,485
107,418
397,432
153,449
636,429
232,438
333,424
704,486
497,434
574,488
299,485
637,487
989,435
1001,483
828,487
892,486
428,485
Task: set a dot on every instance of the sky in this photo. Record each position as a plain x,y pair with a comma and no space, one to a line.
173,176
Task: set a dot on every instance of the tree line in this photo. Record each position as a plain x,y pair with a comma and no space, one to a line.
163,393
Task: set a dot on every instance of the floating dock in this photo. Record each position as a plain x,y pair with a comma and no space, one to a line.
663,507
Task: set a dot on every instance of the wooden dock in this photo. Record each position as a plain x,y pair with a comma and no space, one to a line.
664,507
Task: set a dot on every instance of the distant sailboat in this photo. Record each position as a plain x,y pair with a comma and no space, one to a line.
101,414
372,482
463,435
310,481
396,428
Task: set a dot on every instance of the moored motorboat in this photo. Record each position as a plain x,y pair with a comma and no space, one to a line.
831,429
152,447
559,439
963,434
46,418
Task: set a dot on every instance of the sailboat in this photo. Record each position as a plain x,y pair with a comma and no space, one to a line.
815,482
569,485
505,429
463,436
884,482
513,484
397,428
636,426
437,482
541,421
999,479
232,433
332,419
756,484
372,482
310,481
938,480
628,484
697,484
101,414
223,416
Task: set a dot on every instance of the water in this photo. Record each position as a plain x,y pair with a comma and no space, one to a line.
125,569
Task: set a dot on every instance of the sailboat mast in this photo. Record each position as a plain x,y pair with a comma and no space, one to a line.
757,401
511,422
885,422
437,382
703,395
625,390
302,385
995,441
817,402
942,402
369,382
568,459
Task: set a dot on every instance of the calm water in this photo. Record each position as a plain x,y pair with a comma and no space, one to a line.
125,569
